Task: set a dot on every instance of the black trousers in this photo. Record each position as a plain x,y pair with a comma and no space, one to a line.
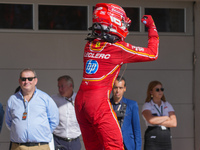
157,138
70,145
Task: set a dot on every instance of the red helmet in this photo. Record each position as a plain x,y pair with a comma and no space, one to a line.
113,17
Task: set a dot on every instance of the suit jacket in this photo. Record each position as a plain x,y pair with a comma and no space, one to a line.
131,126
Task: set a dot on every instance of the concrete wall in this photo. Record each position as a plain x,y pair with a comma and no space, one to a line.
196,76
53,54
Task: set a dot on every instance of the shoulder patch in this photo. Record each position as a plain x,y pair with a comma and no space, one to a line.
97,46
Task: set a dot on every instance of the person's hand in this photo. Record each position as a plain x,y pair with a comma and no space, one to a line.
148,21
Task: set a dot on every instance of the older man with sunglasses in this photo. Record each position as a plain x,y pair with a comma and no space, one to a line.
31,115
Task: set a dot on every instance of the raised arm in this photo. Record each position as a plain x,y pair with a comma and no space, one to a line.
153,42
142,54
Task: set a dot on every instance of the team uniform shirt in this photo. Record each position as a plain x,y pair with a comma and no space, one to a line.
42,117
68,126
103,60
102,63
163,110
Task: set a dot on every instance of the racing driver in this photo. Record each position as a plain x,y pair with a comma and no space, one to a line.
104,54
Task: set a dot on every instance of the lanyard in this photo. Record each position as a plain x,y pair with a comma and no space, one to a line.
24,116
116,107
70,100
119,107
161,113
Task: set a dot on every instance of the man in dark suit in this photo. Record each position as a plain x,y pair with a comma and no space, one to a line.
127,114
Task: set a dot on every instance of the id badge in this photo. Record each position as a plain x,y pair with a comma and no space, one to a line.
163,128
24,116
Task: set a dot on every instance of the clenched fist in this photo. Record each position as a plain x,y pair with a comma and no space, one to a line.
148,21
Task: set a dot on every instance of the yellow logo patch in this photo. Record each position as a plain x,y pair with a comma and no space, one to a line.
98,44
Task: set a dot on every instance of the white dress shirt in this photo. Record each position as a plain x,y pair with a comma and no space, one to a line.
68,126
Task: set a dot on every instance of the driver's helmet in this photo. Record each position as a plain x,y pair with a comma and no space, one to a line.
113,17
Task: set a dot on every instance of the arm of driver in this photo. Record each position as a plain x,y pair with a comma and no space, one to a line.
155,120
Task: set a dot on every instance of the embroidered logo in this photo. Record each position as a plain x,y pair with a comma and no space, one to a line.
98,44
153,137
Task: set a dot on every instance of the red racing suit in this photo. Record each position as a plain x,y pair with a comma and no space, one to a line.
102,63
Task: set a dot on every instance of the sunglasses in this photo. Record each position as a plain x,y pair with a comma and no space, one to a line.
29,78
161,89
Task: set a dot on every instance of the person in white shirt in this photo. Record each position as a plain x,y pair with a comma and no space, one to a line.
159,116
67,133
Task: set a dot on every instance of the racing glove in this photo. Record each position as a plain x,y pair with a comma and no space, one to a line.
149,23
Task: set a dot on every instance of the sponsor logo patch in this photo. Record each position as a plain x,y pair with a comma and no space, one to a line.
91,66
